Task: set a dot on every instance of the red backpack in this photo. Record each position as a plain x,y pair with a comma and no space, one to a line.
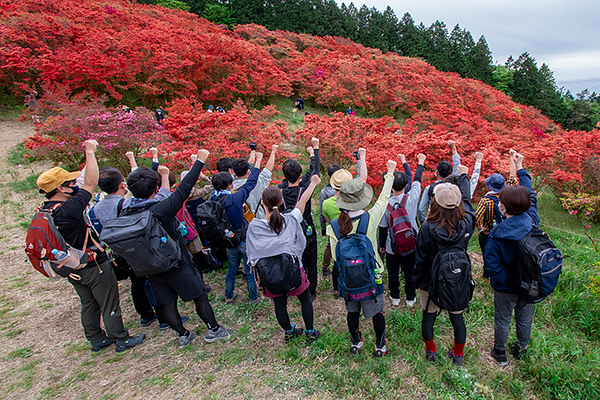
48,251
191,237
403,238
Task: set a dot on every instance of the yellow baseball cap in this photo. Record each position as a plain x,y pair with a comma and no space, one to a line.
54,177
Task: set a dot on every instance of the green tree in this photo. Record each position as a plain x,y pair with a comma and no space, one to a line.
173,4
479,65
219,15
502,79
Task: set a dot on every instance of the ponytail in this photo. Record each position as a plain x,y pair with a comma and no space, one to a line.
276,221
344,223
271,198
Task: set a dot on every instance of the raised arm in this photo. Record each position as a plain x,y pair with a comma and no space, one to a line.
407,171
525,181
259,157
465,190
271,161
154,153
131,158
164,177
301,204
455,156
90,179
362,153
476,171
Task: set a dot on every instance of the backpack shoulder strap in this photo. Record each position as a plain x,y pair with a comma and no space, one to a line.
403,201
120,206
363,224
336,228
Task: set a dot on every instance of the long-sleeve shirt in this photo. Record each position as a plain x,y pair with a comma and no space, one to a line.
375,215
484,216
253,201
385,239
291,194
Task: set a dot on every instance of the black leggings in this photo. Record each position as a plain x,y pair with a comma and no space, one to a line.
282,314
203,309
353,319
458,323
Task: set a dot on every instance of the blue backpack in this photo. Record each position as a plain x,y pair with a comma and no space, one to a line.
538,266
355,261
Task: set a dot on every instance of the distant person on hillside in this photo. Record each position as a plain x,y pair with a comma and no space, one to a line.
32,105
220,110
350,111
211,108
299,104
159,115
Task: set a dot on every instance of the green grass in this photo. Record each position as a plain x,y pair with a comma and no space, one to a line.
16,156
26,185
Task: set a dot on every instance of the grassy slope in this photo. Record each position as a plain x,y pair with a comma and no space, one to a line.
563,360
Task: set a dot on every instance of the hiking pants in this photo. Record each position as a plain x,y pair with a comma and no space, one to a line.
395,264
99,294
138,295
235,256
504,304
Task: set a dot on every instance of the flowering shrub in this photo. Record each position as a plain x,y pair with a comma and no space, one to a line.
60,137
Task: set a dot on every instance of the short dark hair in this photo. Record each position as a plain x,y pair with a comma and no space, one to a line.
444,169
224,164
222,180
240,167
142,182
291,170
516,199
453,179
332,168
109,179
172,179
400,181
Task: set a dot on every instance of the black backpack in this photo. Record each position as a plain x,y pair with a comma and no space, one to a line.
140,238
214,224
537,266
279,274
451,285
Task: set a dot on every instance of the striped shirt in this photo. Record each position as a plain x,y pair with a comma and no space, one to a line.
484,216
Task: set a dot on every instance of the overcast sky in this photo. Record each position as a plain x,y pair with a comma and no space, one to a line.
563,34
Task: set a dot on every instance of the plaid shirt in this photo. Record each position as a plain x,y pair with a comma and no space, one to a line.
484,216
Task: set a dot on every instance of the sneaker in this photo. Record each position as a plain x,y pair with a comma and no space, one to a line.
129,343
148,321
381,351
410,303
500,357
430,356
456,360
220,334
294,333
96,347
164,326
187,339
257,300
230,300
395,301
312,335
326,272
356,346
517,352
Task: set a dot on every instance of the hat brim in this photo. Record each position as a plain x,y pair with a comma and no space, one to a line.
359,205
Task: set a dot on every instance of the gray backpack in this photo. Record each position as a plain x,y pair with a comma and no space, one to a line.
141,239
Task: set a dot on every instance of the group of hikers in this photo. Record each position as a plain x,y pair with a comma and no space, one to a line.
162,238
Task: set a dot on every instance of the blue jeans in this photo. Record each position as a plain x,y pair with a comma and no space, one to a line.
235,255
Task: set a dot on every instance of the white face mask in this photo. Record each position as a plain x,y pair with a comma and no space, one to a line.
502,209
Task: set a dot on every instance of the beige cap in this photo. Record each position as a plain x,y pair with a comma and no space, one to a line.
340,176
54,177
447,195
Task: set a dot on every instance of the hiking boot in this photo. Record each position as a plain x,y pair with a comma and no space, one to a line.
517,352
221,333
410,303
312,335
96,347
355,346
326,272
257,300
148,321
500,357
164,326
294,333
456,360
187,339
395,301
230,300
430,356
129,343
380,351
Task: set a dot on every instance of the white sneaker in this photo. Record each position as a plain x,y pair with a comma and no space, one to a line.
395,302
410,303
